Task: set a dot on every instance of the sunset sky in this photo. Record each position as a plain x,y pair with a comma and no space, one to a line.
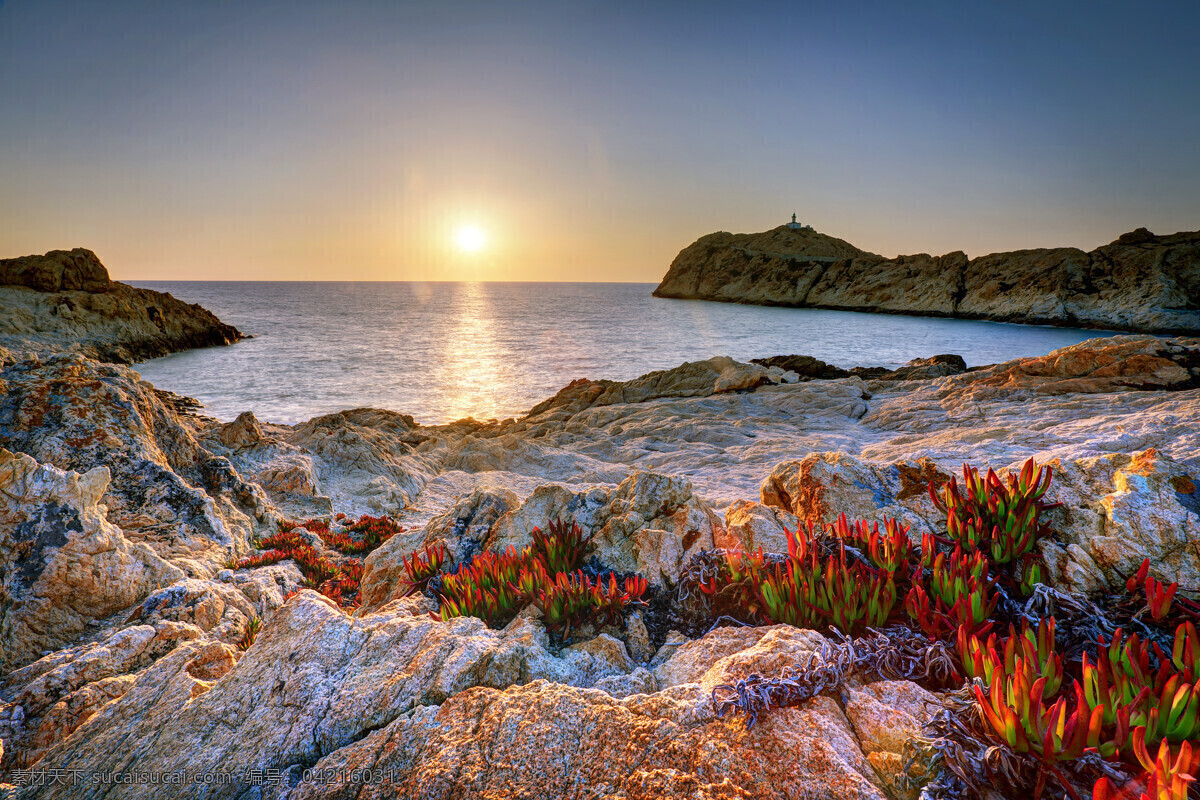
579,141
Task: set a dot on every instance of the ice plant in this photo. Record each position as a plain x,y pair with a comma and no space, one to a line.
1136,579
1123,682
485,588
1168,774
1002,517
808,593
888,551
573,600
421,567
563,549
253,626
1034,646
957,574
1159,599
960,595
733,586
1185,655
1016,716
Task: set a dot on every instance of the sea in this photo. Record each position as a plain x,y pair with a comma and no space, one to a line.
445,351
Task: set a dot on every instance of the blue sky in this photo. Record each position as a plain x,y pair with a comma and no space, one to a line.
590,141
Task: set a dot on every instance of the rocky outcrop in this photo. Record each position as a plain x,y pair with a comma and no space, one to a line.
150,664
63,301
809,368
62,563
1140,282
189,504
693,379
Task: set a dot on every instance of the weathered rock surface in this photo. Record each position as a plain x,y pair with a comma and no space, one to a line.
712,454
186,502
1140,282
62,563
63,301
650,524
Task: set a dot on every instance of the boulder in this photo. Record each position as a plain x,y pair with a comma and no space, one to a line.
315,669
1118,510
821,486
62,564
167,489
750,525
692,379
56,271
545,740
650,524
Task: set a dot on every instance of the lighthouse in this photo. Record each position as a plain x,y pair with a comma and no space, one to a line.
798,226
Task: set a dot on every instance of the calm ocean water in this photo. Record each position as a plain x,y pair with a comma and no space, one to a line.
443,351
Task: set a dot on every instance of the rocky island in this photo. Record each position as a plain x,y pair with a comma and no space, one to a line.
64,301
251,610
1140,282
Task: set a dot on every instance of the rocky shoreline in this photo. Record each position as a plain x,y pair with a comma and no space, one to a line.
1140,282
130,623
64,301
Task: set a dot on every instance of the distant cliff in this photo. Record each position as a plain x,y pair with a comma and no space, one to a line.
1140,282
64,301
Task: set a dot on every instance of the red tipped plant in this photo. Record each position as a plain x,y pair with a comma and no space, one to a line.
733,586
1136,579
486,588
1002,517
563,549
808,593
421,567
1168,776
1185,655
1123,683
888,551
1016,716
1159,598
1034,647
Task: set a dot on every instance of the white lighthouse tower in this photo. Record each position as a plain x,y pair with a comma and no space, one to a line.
798,226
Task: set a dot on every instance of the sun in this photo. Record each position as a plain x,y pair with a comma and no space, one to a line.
470,238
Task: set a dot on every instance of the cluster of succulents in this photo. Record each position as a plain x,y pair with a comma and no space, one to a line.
1123,707
250,633
570,600
547,573
339,579
1000,517
422,567
841,574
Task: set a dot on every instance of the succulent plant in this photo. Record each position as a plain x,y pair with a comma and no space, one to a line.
1185,655
250,633
1034,646
563,549
1001,517
486,587
495,586
960,597
573,600
733,585
808,593
421,567
889,551
1159,598
1169,774
1016,715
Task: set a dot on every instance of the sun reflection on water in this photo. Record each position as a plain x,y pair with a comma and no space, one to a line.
473,365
